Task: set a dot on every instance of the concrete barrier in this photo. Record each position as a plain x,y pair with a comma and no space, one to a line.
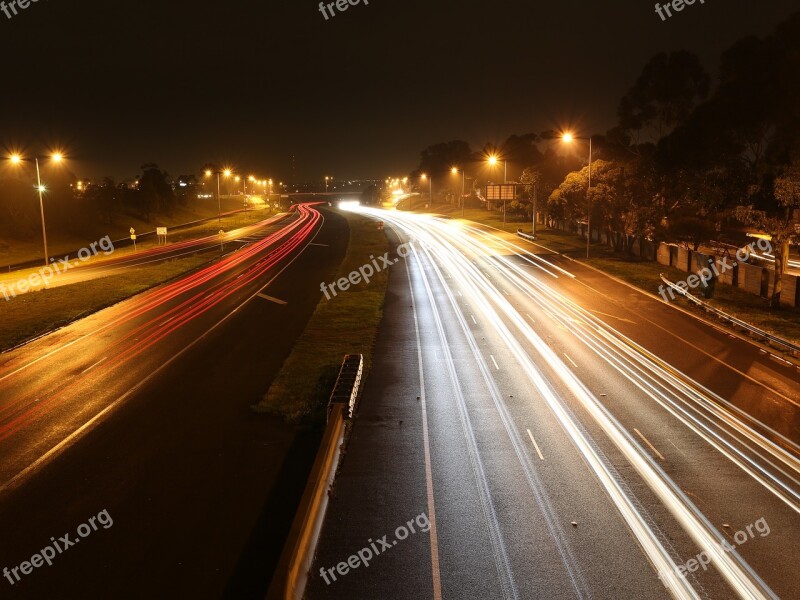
663,254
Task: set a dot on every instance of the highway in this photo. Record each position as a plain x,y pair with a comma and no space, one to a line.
105,263
143,410
566,435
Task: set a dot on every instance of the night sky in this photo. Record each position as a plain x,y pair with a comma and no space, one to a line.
120,83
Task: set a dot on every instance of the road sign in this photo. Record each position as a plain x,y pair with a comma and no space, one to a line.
133,231
161,231
501,192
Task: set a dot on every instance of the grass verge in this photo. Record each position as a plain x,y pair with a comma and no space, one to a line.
33,314
645,274
346,324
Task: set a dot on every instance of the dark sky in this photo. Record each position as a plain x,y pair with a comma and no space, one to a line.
121,83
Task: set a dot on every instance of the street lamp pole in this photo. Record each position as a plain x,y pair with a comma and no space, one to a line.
589,202
567,138
41,210
219,202
463,190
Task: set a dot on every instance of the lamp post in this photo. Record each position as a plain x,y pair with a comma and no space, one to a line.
227,173
326,183
493,160
567,138
454,171
430,188
56,157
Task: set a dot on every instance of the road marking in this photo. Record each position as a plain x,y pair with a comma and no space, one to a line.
94,365
315,244
271,299
612,316
676,448
435,572
165,322
570,360
473,319
535,445
530,317
646,441
495,362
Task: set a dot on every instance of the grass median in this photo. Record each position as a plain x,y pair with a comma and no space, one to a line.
345,324
36,313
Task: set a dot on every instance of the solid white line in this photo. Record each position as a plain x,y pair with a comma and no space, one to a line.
495,362
570,360
435,572
94,365
535,445
646,441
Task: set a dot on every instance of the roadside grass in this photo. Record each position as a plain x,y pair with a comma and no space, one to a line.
645,274
345,324
14,251
35,313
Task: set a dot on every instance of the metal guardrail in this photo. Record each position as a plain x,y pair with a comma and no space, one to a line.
526,236
793,348
347,384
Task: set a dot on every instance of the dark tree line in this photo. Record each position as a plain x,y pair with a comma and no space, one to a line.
689,160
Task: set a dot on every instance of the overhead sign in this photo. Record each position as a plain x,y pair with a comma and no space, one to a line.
503,191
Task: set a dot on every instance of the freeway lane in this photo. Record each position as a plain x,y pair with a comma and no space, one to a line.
181,463
540,415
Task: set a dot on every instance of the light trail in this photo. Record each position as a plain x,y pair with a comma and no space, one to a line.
451,245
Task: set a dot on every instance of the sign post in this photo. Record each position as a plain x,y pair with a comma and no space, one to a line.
161,232
133,237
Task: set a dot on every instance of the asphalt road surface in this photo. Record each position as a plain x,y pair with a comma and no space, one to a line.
140,416
563,435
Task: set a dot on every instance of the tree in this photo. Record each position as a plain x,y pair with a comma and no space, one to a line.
780,224
663,96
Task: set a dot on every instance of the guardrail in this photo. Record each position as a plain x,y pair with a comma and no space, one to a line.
291,574
346,389
794,349
526,236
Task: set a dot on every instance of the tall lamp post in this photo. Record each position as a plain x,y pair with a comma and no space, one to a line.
568,138
56,157
227,173
454,171
430,187
493,160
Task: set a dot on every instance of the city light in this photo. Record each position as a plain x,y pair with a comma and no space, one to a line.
567,138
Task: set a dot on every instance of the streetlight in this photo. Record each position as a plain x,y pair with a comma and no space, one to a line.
454,171
56,157
567,138
493,160
227,173
326,183
430,187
